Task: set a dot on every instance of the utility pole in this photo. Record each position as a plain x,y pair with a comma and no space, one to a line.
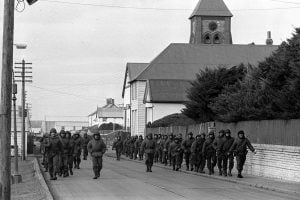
17,178
5,103
23,77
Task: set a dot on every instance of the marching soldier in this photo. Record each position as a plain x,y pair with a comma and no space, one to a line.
148,147
218,144
175,151
156,148
118,146
137,147
239,148
71,152
55,149
186,146
226,155
77,149
45,150
85,141
131,147
209,152
160,145
165,150
201,156
64,154
97,148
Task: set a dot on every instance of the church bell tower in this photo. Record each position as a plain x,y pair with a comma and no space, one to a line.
211,23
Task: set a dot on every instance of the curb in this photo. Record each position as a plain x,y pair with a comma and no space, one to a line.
40,176
256,185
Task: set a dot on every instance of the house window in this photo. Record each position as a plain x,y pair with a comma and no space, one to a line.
104,119
134,91
217,38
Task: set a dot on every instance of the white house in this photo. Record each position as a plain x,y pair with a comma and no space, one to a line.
159,88
110,113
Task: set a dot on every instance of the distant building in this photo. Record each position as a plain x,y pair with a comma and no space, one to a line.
36,127
67,125
152,91
110,113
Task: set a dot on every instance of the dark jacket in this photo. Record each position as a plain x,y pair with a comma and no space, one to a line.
148,146
208,147
118,144
138,144
187,144
55,146
167,144
175,149
85,141
218,143
197,146
227,145
77,145
66,145
96,147
240,146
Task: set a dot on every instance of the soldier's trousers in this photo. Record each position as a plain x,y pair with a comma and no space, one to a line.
97,165
140,154
136,152
85,153
176,161
187,157
228,159
45,160
220,161
131,152
64,163
201,161
160,155
165,157
211,162
240,161
53,164
77,159
118,153
156,154
70,162
149,159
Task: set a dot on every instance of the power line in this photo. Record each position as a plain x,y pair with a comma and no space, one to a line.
287,2
167,9
64,93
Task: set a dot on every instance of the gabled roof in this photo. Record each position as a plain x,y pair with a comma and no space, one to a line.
133,70
108,111
183,61
166,91
211,8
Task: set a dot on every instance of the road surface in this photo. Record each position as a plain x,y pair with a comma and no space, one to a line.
127,180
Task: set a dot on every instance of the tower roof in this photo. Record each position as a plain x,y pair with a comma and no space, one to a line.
211,8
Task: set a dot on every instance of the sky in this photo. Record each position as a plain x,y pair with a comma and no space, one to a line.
79,48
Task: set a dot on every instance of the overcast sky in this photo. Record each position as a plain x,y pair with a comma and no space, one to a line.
79,52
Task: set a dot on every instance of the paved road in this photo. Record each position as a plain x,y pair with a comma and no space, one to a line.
126,180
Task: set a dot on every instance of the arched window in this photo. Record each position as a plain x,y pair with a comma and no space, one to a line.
217,39
207,39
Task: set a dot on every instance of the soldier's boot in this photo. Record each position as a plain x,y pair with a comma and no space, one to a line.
173,167
95,169
71,171
78,163
220,172
240,174
225,172
192,167
229,172
150,168
147,168
187,168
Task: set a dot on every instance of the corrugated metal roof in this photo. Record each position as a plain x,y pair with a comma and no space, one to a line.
183,61
171,91
211,8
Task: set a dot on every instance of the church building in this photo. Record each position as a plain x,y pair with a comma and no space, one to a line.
156,89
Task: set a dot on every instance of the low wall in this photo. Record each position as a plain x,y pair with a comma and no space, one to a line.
274,161
277,143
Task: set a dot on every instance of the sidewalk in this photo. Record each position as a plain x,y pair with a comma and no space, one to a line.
249,180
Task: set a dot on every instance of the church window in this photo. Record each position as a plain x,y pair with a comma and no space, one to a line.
207,39
217,39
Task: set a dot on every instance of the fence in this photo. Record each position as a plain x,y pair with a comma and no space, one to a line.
277,143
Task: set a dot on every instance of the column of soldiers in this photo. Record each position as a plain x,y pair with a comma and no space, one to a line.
197,152
63,151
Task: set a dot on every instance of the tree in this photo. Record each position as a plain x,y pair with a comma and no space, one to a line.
208,85
270,91
176,119
110,126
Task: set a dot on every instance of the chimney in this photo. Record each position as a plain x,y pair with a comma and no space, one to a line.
110,101
269,40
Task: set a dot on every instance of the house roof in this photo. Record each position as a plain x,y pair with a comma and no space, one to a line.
211,8
108,111
184,61
166,91
133,70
